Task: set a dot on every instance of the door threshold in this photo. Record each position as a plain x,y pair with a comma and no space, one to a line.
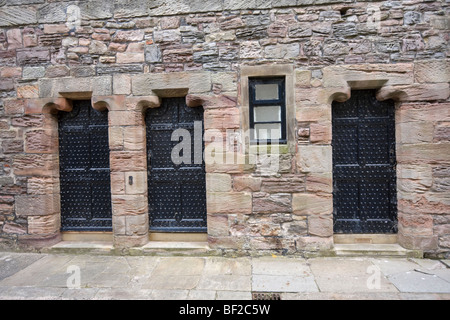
365,238
178,237
87,236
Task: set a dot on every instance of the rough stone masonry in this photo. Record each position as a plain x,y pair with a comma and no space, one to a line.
125,55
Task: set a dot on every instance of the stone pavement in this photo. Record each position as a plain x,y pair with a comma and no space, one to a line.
86,276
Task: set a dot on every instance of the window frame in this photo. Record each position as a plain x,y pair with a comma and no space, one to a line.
280,81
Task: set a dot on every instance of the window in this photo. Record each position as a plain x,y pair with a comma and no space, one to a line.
267,110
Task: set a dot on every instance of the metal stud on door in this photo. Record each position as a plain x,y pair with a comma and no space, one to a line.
176,192
364,175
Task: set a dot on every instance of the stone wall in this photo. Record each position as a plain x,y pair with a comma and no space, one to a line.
125,54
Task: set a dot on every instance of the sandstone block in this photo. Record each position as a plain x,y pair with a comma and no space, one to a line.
218,182
314,159
319,182
283,184
314,243
121,84
125,118
272,203
432,71
415,92
311,204
136,225
57,71
130,57
42,185
250,50
33,56
197,82
134,138
321,225
14,228
153,53
218,225
302,78
123,161
130,8
99,86
97,47
398,74
117,183
129,205
282,51
247,183
16,106
423,153
27,91
37,205
6,85
222,118
415,132
294,228
12,146
167,36
429,112
44,224
418,242
34,164
115,135
415,224
16,16
229,202
41,141
128,36
320,133
135,182
14,38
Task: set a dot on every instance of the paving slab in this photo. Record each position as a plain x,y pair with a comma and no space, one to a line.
430,264
283,283
364,296
79,294
281,266
169,294
11,263
46,276
349,275
227,266
225,282
234,295
173,266
390,266
33,293
201,295
122,294
414,281
37,272
171,282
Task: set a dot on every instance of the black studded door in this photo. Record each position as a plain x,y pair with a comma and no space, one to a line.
176,171
364,175
84,169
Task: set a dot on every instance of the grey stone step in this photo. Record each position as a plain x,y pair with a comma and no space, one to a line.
152,248
81,247
379,250
172,248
